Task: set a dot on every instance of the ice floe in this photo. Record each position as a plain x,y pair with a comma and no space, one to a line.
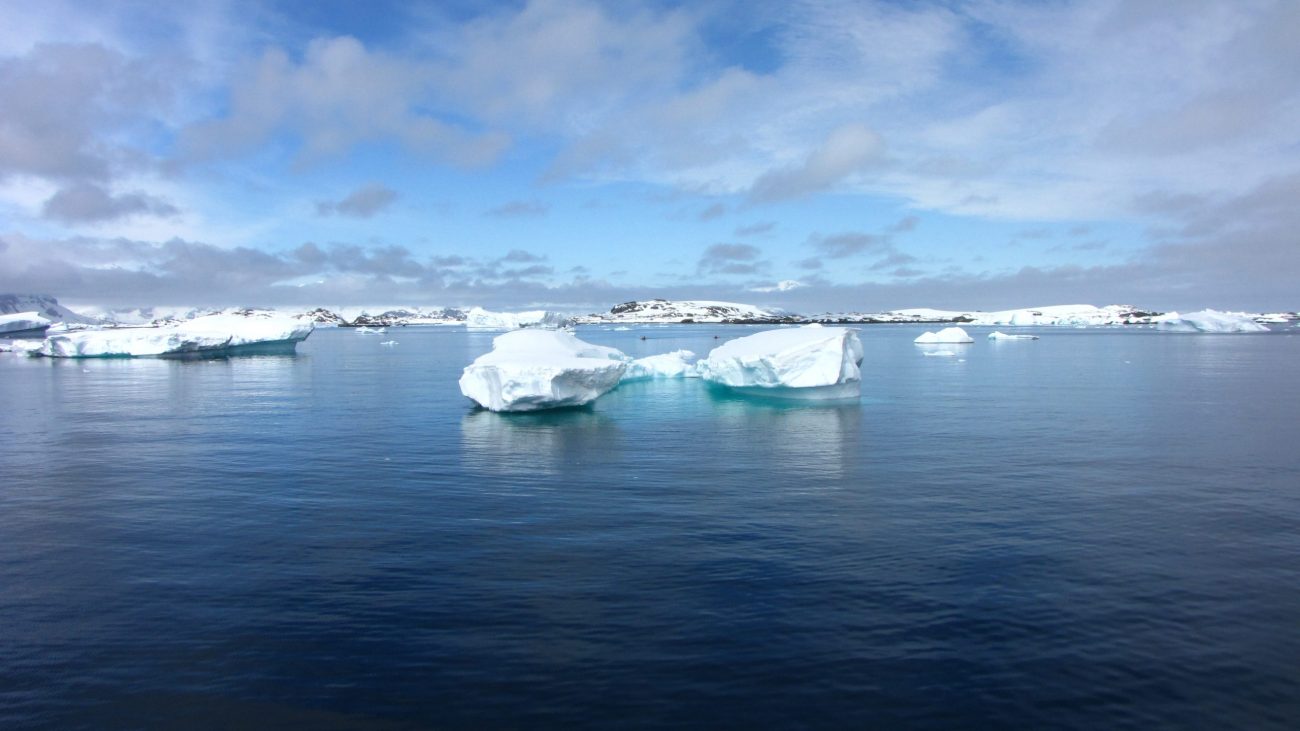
677,364
208,335
948,335
1003,336
1209,321
529,370
810,362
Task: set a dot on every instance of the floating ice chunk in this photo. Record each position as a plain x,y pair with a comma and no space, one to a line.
363,329
677,364
528,370
481,319
1004,336
951,335
20,346
211,335
1209,321
938,353
389,343
22,322
810,362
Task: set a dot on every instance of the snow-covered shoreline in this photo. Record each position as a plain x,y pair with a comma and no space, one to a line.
634,313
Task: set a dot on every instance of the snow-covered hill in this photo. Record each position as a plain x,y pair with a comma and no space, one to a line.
44,305
1067,315
674,311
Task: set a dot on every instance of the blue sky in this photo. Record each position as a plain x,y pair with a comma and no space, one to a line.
572,155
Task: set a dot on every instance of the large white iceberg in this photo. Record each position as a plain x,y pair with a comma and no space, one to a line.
481,319
948,335
209,335
677,364
22,322
529,370
1209,321
811,362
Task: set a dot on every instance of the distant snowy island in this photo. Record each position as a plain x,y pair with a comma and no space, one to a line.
26,311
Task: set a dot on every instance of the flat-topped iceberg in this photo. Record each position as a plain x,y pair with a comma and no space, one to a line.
529,370
1209,321
22,322
1004,336
810,362
481,319
948,336
677,364
209,335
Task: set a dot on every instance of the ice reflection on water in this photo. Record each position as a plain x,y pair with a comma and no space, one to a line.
540,443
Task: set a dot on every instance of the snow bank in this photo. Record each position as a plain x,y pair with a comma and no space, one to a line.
528,370
677,364
211,334
804,362
1209,321
22,321
481,319
1004,336
948,335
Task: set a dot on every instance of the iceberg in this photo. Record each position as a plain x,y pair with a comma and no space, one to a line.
809,362
530,370
677,364
208,335
948,335
481,319
1004,336
27,323
20,346
1209,321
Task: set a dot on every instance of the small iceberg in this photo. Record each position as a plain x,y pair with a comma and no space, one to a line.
221,334
948,335
389,343
20,324
364,329
530,370
1209,321
1004,336
809,362
29,347
677,364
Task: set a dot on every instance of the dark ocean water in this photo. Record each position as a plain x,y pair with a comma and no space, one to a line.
1096,530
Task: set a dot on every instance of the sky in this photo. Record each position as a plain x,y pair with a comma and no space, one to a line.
571,155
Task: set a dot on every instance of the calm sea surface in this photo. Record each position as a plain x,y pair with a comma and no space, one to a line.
1096,530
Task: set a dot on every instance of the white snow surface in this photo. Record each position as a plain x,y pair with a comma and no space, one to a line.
677,364
534,369
20,321
481,319
20,346
1209,321
1003,336
823,361
948,335
207,334
674,311
1067,315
